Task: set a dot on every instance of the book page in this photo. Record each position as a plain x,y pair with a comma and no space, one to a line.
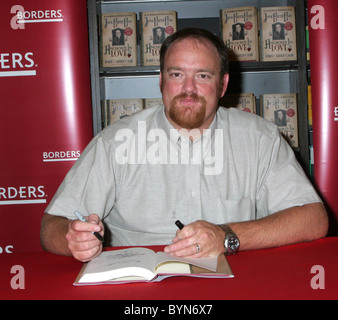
120,263
206,263
170,269
173,267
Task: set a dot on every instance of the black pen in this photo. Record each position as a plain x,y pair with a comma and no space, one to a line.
179,224
82,218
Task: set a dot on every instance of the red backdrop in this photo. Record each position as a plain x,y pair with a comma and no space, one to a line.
323,22
45,108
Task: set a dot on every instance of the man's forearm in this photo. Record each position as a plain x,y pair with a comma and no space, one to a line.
293,225
53,234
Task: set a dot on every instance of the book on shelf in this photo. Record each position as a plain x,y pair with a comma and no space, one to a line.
243,101
278,34
307,44
118,39
312,158
152,102
309,104
155,27
307,36
281,109
239,31
139,264
116,109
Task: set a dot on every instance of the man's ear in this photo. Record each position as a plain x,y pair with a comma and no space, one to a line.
225,84
160,82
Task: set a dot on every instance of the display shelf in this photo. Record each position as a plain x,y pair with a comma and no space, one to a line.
256,77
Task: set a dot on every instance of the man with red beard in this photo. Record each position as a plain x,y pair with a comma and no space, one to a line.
191,83
247,205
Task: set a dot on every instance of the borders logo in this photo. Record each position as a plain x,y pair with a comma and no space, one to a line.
335,114
16,64
56,156
22,17
6,249
22,195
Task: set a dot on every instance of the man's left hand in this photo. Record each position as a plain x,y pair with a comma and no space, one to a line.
198,239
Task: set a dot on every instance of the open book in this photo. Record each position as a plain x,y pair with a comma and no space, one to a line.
143,265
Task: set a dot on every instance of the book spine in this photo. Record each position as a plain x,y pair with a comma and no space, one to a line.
309,99
141,39
100,41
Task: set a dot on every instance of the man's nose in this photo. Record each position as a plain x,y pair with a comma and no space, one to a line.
189,85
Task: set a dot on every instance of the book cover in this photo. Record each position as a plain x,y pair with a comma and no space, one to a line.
281,109
139,264
120,108
155,27
118,39
278,34
239,29
243,101
153,102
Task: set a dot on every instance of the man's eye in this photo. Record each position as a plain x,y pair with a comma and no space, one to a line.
175,74
204,76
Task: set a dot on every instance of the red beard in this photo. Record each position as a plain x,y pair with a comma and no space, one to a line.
189,116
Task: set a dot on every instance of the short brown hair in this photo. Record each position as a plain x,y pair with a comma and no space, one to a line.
199,34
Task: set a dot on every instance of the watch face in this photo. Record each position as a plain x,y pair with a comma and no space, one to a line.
232,243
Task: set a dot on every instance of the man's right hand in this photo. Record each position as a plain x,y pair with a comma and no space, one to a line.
83,245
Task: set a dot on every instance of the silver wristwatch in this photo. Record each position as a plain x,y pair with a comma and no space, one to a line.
231,241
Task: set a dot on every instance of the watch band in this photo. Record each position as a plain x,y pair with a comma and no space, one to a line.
227,229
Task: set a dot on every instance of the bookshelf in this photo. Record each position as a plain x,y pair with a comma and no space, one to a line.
255,77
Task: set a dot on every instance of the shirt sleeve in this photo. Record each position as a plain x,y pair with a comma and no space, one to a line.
284,183
89,186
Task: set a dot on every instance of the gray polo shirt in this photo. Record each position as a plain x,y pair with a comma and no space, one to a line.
140,175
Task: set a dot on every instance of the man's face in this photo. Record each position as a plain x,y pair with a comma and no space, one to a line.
280,115
191,84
